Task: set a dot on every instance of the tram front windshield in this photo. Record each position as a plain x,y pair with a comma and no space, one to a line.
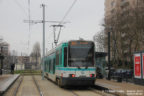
81,54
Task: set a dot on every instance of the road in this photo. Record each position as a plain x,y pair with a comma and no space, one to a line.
34,86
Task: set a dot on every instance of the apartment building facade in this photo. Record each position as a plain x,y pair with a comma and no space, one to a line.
124,19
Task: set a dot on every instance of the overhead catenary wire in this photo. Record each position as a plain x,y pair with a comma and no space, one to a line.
21,7
66,14
68,11
27,14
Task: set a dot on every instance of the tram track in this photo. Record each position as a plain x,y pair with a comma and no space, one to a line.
33,85
74,93
90,90
16,90
85,92
103,93
38,88
25,85
12,91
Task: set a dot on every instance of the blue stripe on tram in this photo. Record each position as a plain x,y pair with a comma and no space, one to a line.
75,69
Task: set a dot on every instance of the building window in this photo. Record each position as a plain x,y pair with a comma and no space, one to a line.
123,0
113,3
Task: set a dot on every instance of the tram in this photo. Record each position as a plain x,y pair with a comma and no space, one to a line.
71,63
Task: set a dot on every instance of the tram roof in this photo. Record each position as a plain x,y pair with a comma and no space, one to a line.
59,45
54,49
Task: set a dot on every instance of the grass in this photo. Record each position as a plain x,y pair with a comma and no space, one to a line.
28,72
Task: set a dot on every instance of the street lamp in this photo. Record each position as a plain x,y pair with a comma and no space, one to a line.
109,52
109,65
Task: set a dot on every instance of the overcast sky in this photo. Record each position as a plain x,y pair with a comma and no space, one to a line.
85,19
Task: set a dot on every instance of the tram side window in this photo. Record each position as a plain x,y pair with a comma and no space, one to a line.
65,56
54,65
45,65
57,57
60,57
49,65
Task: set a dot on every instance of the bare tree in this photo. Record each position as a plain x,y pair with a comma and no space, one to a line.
99,41
127,33
36,53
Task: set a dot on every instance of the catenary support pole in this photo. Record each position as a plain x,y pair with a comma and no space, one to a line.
43,21
109,65
43,36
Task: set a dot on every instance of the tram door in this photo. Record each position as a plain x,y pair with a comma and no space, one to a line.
65,57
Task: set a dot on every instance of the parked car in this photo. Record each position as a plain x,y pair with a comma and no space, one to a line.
128,74
107,71
123,73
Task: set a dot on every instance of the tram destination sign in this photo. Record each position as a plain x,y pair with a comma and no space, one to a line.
75,43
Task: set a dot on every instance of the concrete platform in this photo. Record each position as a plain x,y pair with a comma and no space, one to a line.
6,81
121,87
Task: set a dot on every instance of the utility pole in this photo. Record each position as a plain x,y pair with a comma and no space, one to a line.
21,60
43,22
109,65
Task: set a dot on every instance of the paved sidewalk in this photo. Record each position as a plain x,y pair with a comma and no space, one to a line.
129,89
6,81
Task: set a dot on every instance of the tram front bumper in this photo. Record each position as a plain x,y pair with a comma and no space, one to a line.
86,81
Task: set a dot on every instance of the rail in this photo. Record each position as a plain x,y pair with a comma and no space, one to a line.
38,88
15,92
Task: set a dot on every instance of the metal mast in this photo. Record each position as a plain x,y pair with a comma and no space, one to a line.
43,21
43,36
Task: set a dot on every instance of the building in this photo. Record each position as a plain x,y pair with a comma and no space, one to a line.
35,62
125,20
26,61
113,6
19,65
4,50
